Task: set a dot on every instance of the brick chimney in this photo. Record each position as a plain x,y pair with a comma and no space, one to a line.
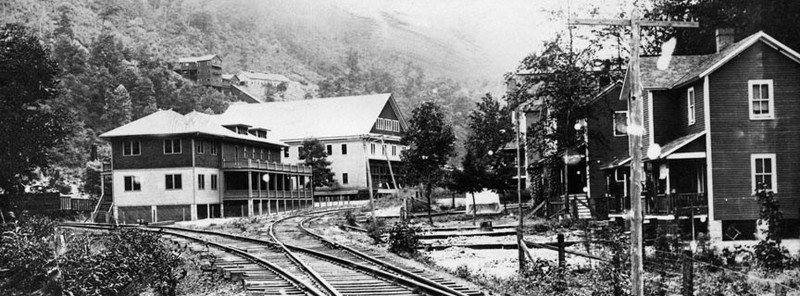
724,38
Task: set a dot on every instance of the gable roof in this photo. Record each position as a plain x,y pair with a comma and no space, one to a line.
262,76
689,68
318,118
168,122
197,59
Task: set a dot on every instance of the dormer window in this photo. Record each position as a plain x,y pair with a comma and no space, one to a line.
388,125
261,134
241,130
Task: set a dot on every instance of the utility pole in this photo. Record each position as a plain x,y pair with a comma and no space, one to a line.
635,131
520,239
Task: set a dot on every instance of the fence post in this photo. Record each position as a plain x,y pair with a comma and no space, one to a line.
561,255
687,289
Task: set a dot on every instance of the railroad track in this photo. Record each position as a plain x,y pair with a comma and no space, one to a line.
299,233
297,262
256,266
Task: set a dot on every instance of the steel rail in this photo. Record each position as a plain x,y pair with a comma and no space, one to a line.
288,277
422,281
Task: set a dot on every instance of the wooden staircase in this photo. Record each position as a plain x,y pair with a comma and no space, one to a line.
102,212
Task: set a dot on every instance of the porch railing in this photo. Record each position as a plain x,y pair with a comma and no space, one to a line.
236,194
665,204
265,165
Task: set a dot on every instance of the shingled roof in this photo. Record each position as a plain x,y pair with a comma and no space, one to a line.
688,68
168,122
318,118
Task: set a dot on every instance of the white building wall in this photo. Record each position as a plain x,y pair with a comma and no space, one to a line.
353,163
153,187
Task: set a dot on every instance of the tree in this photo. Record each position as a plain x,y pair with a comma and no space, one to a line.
562,83
29,128
313,154
118,108
470,179
431,143
775,17
491,130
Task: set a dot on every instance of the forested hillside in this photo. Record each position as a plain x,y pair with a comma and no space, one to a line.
114,61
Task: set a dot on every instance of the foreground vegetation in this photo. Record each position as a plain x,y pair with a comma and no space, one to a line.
37,257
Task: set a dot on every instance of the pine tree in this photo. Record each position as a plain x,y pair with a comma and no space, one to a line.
313,154
117,109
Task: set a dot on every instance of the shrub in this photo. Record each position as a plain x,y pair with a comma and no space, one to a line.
25,254
127,261
463,272
404,239
349,218
771,256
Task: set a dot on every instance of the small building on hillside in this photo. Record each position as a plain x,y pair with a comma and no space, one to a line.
204,70
356,131
168,166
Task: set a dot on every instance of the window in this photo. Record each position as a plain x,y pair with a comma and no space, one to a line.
387,125
200,148
286,151
329,149
173,181
372,148
620,123
690,105
132,183
394,150
763,171
213,182
212,148
762,102
172,146
344,149
241,130
131,148
261,153
383,149
201,182
344,178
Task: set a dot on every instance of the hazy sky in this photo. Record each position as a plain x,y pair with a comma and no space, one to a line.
505,30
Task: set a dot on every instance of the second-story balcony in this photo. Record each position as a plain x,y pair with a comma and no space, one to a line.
265,165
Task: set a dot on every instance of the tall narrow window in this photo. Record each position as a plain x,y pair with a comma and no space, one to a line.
200,148
372,148
131,148
344,149
345,178
329,149
762,101
394,150
620,123
172,146
763,171
690,105
212,148
213,181
132,183
383,149
201,182
173,181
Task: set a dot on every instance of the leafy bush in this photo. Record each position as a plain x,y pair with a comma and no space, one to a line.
25,254
771,256
122,262
349,218
722,284
462,271
404,239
